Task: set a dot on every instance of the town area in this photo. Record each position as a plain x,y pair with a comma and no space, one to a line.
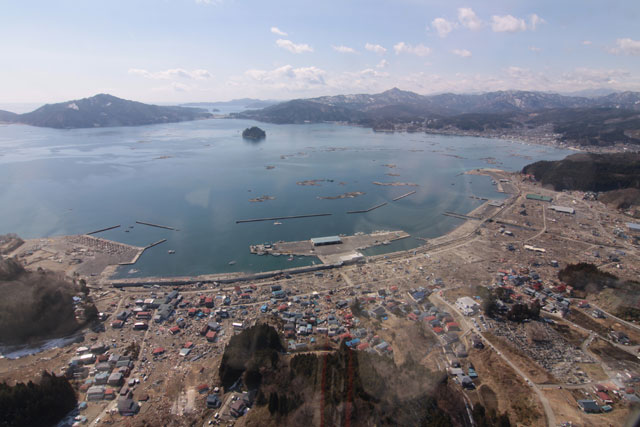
483,305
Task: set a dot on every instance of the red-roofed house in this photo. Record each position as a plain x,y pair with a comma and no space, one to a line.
452,326
438,330
174,330
604,397
363,346
158,351
211,336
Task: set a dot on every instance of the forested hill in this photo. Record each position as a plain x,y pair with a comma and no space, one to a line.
589,172
604,120
102,111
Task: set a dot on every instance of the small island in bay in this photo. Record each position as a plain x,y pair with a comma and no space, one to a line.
254,133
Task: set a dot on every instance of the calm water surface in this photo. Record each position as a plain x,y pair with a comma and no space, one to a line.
199,176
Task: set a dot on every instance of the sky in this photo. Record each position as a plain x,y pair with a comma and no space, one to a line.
171,51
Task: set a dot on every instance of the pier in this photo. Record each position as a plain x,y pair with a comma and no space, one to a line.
460,216
370,209
156,225
404,195
135,259
276,218
102,229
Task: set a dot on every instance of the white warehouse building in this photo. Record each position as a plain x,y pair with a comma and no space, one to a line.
467,306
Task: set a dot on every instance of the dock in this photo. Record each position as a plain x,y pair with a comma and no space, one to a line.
276,218
460,216
368,210
155,244
404,195
156,225
348,250
101,230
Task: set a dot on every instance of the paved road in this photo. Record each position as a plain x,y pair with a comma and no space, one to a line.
551,418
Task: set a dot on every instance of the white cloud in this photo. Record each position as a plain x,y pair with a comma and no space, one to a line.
507,24
376,48
469,19
534,21
464,53
535,49
344,49
172,73
288,76
626,46
278,31
292,47
587,42
382,64
370,72
418,50
442,26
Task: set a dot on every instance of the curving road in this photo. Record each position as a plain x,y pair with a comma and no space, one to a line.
551,418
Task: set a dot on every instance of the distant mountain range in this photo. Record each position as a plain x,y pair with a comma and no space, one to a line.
102,111
242,103
611,118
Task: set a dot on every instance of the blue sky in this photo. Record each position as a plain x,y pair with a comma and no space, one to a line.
205,50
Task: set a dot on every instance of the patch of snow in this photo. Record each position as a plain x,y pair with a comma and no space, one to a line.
73,106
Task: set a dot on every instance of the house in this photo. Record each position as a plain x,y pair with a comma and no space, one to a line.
211,336
378,312
158,351
467,306
117,324
589,406
115,379
140,326
476,342
238,408
95,393
452,326
604,397
127,407
101,378
213,401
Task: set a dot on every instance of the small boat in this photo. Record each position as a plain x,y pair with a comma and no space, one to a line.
232,263
171,251
277,223
290,258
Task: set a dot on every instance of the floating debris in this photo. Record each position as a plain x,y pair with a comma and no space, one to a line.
269,167
349,195
395,184
311,182
263,198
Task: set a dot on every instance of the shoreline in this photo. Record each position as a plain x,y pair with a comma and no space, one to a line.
465,229
519,137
